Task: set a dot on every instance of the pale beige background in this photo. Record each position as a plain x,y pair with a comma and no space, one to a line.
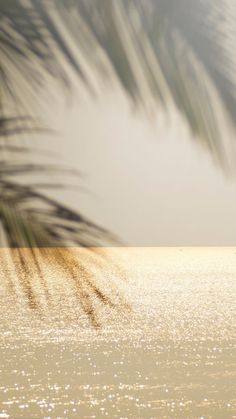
146,178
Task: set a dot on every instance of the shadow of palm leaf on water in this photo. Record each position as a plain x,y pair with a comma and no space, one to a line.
145,46
73,281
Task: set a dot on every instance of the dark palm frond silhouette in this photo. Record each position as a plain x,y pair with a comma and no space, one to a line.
30,217
27,49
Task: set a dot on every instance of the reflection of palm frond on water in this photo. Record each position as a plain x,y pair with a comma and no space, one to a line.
39,280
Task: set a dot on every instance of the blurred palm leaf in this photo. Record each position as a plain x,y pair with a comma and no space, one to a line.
157,50
28,215
170,54
27,51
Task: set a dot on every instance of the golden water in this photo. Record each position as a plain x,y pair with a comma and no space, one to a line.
123,333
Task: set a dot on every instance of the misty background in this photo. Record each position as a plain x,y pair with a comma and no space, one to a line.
143,178
150,121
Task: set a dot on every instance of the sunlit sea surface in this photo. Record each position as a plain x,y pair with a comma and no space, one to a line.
118,333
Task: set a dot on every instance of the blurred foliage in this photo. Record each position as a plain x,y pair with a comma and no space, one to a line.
27,51
162,52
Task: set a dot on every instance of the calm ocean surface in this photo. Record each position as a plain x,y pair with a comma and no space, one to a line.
118,333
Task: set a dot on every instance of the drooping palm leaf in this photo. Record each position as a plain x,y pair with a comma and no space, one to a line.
157,50
30,51
170,53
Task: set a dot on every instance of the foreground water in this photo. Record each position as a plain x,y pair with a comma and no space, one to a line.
123,333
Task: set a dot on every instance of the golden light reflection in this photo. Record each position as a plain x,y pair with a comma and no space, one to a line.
149,332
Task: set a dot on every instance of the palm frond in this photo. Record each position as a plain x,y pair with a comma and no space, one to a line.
154,49
31,217
165,53
30,51
161,52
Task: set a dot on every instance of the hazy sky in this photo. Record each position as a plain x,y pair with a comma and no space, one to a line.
147,179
